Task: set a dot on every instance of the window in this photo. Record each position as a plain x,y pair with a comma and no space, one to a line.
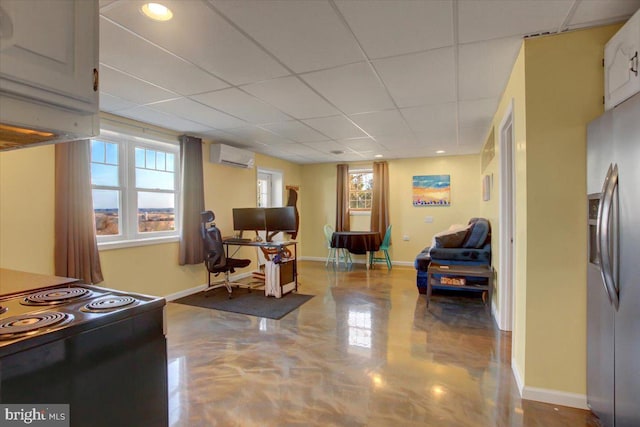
360,190
135,188
264,190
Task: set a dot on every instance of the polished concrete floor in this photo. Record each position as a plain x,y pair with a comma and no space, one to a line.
364,351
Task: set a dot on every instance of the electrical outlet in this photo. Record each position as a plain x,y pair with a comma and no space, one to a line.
405,237
428,219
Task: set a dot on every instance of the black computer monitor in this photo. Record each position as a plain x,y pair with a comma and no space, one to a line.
280,219
249,219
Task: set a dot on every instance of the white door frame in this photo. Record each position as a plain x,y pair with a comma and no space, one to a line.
507,269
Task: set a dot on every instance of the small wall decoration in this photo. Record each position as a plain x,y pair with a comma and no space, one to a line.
432,190
486,188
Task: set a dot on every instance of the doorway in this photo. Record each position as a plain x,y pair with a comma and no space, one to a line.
506,270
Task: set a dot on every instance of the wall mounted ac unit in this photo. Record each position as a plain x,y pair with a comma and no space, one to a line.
231,156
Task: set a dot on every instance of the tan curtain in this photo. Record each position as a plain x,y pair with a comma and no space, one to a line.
191,200
342,199
380,202
76,246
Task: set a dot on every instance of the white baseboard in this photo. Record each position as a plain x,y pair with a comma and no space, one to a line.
554,397
355,261
186,292
516,375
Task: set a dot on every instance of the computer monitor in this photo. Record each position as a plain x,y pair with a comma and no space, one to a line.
248,219
280,219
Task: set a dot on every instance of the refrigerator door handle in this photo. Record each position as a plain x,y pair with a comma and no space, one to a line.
599,232
608,240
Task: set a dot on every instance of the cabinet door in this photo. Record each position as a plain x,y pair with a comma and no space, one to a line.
49,51
622,77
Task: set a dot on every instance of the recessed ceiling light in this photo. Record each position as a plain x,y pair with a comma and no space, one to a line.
440,152
377,156
337,152
157,12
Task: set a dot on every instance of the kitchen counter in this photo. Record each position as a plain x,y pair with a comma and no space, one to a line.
12,281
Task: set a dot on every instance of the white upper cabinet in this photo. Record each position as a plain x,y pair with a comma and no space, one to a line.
49,52
621,74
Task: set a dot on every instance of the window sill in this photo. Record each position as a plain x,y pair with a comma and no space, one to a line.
360,213
106,246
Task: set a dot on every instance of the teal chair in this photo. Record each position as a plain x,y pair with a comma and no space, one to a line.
334,253
384,248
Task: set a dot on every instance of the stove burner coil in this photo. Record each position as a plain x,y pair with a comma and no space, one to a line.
55,296
27,324
108,303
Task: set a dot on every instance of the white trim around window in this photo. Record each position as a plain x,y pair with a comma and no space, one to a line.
146,191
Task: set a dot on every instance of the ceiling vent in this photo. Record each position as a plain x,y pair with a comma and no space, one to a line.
231,156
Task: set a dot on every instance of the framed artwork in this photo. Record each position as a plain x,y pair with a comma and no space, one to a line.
432,190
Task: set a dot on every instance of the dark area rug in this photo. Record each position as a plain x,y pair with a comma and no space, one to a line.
253,303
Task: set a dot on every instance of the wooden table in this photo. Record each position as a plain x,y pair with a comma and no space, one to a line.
357,242
485,271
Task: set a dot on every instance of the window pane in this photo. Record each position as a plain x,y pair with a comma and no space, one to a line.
139,157
151,159
97,151
156,212
112,154
106,205
160,161
170,160
102,174
154,180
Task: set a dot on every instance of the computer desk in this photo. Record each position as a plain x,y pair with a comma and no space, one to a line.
279,246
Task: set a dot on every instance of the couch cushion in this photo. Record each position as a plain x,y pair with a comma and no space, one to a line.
478,233
451,238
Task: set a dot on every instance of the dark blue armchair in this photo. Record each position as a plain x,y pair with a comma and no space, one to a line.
468,246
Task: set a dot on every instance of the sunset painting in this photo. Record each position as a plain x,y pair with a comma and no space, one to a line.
432,190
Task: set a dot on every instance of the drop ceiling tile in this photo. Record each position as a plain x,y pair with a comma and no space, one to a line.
199,35
240,104
122,50
123,86
477,112
492,19
591,12
326,146
110,103
353,88
419,79
394,142
293,97
336,127
437,121
363,145
301,150
391,27
309,34
383,123
158,118
295,131
199,113
484,67
220,136
257,135
473,137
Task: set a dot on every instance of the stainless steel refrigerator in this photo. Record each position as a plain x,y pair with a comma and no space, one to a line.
613,289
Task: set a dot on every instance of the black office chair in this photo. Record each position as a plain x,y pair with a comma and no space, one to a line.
215,258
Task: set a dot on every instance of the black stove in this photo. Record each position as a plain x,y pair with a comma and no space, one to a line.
67,343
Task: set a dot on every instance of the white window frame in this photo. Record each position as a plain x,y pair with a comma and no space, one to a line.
359,211
128,227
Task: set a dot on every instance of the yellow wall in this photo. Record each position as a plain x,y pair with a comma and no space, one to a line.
512,98
319,199
27,209
27,215
564,89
